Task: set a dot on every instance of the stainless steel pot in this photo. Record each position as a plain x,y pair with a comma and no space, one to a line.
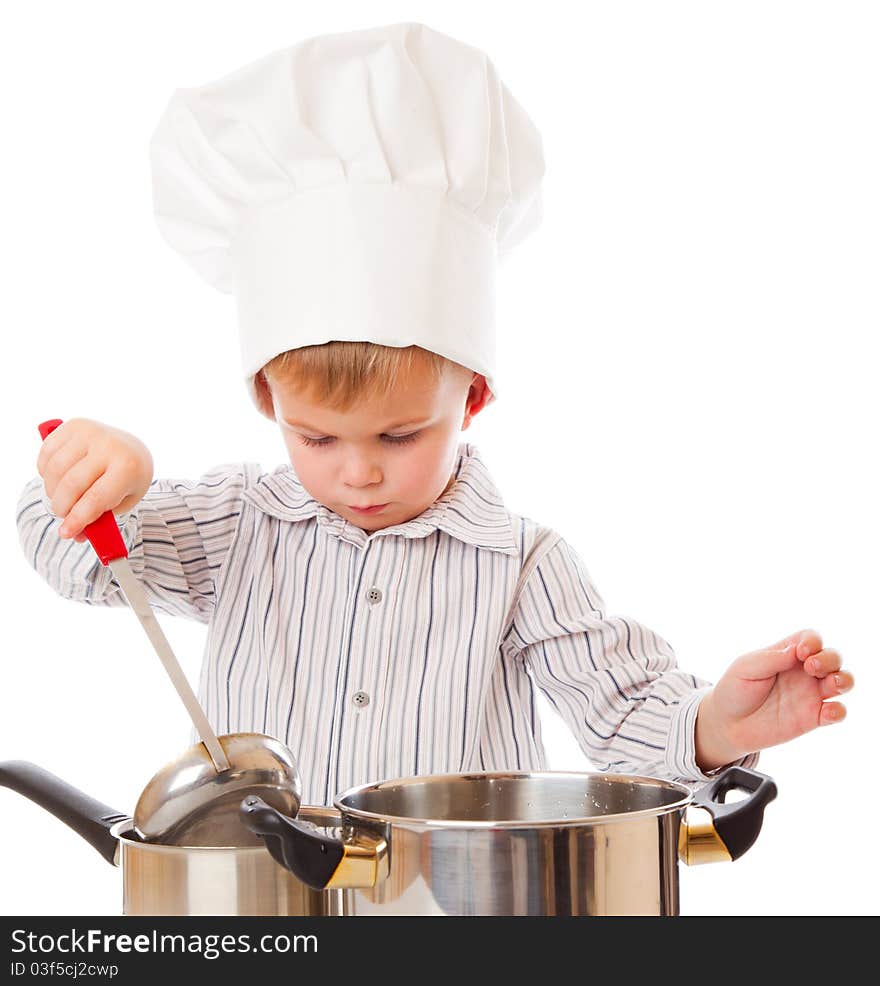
180,880
517,843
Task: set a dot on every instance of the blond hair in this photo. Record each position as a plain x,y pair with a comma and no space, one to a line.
339,374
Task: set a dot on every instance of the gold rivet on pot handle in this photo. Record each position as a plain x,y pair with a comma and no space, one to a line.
364,863
698,842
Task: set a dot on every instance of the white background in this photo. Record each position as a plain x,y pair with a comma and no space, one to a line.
687,360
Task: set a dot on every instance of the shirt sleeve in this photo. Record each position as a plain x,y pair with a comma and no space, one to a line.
614,682
177,539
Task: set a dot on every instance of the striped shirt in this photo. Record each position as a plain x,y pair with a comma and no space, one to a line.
385,654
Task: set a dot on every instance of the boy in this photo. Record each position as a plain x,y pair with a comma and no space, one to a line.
353,192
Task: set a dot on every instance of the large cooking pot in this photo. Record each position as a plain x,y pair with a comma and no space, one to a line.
180,880
517,843
458,844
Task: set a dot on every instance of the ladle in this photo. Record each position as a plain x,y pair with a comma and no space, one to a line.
194,799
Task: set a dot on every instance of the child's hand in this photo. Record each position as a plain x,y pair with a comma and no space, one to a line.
88,468
769,697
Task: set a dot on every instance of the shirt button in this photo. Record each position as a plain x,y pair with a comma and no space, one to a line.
374,595
360,699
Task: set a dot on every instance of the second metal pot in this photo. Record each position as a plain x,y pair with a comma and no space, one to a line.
518,843
180,880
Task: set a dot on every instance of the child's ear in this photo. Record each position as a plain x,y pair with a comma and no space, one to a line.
264,396
478,397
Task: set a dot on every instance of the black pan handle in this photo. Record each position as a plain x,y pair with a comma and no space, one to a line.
87,817
298,846
739,823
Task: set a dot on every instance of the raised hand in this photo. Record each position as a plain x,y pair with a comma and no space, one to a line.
771,696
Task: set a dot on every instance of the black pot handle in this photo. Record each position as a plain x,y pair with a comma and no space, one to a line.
87,817
739,823
298,846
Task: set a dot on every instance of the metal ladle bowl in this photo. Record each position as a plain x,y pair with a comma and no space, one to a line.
188,803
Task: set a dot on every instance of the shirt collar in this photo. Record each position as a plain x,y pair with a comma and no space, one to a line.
471,510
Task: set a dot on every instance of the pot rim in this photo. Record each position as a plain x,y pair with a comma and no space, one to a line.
363,815
118,830
127,825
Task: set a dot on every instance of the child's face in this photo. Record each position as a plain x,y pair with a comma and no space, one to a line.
395,453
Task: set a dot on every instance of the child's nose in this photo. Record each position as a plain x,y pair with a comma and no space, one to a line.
361,470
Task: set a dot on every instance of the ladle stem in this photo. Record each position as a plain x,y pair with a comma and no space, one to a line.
137,599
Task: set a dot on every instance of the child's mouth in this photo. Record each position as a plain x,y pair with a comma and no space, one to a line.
369,510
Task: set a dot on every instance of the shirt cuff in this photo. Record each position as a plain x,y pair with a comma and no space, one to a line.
681,745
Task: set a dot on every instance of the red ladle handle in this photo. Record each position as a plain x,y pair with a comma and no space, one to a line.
103,533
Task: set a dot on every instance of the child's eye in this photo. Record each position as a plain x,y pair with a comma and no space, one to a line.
401,439
389,439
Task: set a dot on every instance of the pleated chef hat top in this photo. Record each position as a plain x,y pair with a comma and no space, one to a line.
355,186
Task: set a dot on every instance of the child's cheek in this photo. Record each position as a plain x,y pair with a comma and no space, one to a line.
307,470
427,472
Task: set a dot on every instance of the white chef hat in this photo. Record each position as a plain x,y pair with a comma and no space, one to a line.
355,186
